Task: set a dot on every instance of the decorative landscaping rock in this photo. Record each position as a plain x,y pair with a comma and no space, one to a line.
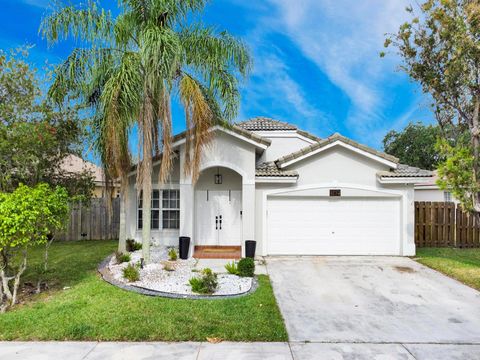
163,276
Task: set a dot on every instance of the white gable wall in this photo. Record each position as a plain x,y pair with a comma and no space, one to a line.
283,143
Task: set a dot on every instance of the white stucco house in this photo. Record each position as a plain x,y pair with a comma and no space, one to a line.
430,191
292,192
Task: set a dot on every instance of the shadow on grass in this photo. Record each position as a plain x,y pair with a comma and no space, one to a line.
68,262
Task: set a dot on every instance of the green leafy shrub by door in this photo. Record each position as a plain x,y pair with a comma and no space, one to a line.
246,267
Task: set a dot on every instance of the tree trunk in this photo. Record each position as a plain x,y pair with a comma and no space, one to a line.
475,133
16,282
122,234
146,175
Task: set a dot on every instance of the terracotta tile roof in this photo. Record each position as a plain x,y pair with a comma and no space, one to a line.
406,171
265,124
331,139
269,169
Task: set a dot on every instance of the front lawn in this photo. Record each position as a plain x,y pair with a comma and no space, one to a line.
460,264
81,306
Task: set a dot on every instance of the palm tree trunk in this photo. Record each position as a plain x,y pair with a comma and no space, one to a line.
146,174
122,234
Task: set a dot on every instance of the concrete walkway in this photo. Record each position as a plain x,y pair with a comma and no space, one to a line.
234,351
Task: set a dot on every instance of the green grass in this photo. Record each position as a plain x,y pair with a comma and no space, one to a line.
460,264
91,309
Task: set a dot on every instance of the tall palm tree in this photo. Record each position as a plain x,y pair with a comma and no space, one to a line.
133,63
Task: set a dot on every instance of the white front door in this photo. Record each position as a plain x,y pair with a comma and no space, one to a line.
218,217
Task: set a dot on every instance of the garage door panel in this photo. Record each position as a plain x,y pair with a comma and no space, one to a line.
324,226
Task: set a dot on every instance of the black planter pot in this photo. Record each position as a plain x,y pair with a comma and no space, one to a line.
184,246
250,246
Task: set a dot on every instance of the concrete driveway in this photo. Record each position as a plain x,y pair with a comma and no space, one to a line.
388,306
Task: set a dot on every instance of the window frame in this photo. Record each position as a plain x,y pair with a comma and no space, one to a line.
160,209
169,209
447,196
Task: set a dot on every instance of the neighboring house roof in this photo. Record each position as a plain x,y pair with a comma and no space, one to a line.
269,169
330,140
406,171
75,164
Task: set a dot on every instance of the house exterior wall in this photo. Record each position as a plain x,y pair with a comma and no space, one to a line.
431,194
235,157
336,167
282,143
343,169
160,236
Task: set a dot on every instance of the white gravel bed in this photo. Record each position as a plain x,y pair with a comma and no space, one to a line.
154,277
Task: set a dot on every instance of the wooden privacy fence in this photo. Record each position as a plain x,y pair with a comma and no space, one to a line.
92,222
444,224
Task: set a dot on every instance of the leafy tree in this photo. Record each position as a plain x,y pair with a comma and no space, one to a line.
441,50
27,217
35,136
130,67
415,145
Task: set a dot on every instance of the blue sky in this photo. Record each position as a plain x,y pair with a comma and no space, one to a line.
317,62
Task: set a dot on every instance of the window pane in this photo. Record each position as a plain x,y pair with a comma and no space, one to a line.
171,219
171,199
140,219
155,219
155,199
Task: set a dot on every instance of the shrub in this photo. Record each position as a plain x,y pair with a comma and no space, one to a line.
232,268
131,273
132,245
28,216
206,284
121,257
172,254
246,267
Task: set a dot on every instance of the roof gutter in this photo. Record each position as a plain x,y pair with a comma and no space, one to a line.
403,180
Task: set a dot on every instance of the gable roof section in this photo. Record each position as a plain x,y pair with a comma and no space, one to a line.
234,129
269,169
327,143
267,124
406,171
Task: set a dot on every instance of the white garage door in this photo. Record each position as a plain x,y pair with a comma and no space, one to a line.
324,226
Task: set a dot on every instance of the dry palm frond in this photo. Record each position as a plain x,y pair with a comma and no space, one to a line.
200,117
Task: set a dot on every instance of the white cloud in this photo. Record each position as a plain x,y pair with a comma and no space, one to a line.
38,3
272,86
344,39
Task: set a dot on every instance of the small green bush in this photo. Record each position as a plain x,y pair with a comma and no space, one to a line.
131,273
172,254
206,284
132,245
232,268
121,257
246,267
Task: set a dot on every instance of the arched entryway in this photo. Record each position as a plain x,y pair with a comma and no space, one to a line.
218,208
